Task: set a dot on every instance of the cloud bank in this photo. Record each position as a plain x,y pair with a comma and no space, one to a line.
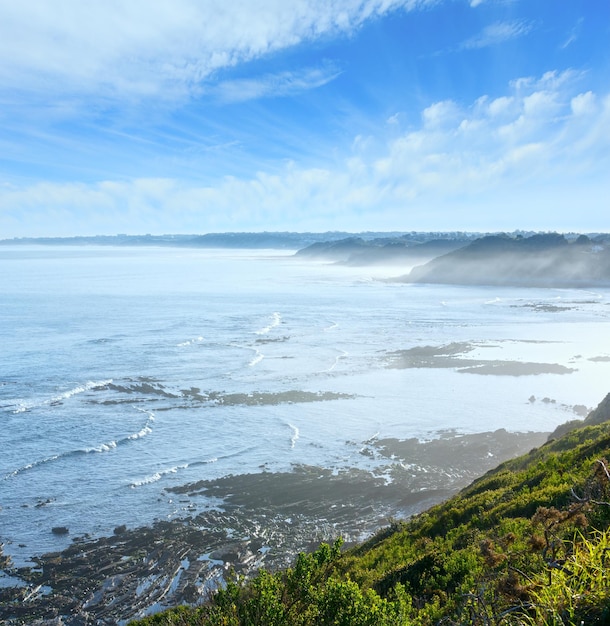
519,158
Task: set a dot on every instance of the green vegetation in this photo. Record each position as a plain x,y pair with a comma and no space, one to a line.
528,543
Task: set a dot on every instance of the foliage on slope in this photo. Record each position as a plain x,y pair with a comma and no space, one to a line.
525,544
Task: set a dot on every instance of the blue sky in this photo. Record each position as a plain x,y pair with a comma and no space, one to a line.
194,116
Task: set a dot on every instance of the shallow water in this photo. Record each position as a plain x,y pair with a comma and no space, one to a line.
126,372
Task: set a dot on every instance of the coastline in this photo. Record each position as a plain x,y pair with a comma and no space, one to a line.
263,519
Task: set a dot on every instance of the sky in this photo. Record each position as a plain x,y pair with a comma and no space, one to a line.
197,116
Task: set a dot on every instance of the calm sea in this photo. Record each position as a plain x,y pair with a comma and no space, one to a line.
124,371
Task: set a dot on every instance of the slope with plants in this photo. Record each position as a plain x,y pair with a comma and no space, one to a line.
525,544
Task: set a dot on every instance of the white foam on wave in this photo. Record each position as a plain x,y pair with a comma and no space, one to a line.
146,429
30,466
276,319
157,476
214,459
372,438
295,436
257,359
332,326
22,407
100,449
190,342
338,358
103,447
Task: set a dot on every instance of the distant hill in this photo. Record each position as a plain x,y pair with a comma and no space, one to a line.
405,250
544,260
243,240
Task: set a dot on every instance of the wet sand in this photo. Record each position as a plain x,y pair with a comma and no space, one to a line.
261,519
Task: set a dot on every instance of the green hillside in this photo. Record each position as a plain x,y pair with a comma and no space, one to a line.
527,543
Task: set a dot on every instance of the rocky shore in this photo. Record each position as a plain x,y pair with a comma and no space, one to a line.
262,519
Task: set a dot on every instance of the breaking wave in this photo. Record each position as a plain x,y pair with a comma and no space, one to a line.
276,319
101,448
157,476
295,436
58,399
259,356
190,342
337,360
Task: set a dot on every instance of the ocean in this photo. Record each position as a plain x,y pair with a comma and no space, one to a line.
127,372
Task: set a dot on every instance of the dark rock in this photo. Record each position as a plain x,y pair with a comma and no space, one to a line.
60,530
266,519
599,415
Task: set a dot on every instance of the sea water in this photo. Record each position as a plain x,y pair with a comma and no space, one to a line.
125,371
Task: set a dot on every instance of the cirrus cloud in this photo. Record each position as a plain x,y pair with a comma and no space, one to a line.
157,48
497,33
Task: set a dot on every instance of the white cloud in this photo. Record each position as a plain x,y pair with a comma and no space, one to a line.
476,3
159,48
498,33
440,114
535,156
583,103
275,85
502,106
574,33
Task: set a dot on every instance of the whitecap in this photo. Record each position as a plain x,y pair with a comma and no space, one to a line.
32,465
206,462
157,476
190,342
146,481
88,386
373,438
257,359
103,447
338,358
295,436
146,429
22,407
276,318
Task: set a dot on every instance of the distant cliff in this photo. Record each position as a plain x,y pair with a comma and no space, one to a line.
542,260
405,250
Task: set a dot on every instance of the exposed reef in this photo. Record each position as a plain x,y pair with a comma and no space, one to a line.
452,356
252,520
